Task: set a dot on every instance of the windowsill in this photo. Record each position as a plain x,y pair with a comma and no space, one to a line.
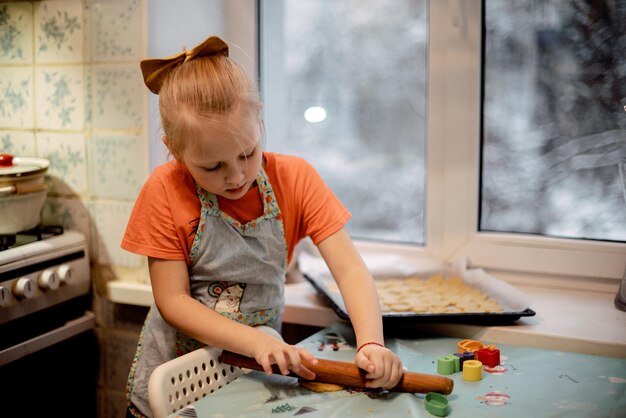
582,321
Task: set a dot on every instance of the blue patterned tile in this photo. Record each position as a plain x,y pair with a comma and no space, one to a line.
58,31
119,30
16,98
118,98
118,166
68,163
60,101
16,33
17,143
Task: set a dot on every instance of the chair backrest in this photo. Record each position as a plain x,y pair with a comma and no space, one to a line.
180,382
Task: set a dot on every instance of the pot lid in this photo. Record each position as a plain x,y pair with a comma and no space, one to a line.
15,167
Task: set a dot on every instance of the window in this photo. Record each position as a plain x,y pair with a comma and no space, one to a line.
345,88
554,125
455,128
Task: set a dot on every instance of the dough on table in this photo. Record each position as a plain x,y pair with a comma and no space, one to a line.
320,386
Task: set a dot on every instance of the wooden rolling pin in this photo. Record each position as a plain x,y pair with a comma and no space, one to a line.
348,374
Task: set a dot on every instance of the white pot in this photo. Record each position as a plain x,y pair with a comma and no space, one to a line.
20,212
22,192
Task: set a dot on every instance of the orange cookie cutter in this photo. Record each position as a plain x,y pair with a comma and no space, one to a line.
473,346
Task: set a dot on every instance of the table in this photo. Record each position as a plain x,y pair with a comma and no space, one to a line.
529,382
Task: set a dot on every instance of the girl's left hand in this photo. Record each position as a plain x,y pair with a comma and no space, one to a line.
383,366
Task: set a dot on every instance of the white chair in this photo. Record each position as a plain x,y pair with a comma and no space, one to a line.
182,381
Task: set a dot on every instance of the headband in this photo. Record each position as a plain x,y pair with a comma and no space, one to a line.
156,70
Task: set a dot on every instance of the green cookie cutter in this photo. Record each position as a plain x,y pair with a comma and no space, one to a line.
436,404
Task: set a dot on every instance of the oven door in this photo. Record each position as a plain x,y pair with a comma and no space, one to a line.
37,331
36,343
49,362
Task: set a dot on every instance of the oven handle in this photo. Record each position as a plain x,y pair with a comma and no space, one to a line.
69,330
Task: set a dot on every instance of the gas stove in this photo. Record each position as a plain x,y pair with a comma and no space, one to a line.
39,233
45,286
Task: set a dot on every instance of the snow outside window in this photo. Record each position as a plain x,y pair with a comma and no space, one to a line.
345,88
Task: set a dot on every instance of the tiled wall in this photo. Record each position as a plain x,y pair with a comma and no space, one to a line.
71,92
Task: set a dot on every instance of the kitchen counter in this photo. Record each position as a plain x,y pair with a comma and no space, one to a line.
581,321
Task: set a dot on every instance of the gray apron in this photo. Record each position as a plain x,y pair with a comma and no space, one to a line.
236,269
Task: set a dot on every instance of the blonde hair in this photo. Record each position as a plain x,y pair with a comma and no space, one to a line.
200,94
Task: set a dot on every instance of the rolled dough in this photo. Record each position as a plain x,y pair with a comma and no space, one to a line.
320,386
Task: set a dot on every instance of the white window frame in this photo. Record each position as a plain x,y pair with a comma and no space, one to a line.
453,148
454,159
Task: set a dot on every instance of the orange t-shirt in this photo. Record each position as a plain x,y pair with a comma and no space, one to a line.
166,213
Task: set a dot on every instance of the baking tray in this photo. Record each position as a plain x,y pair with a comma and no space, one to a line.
334,299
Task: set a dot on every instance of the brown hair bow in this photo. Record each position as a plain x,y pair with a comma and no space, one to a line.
156,70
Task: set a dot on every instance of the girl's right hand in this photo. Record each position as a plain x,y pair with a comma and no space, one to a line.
269,350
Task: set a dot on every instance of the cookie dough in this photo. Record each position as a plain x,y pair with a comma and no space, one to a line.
320,386
435,294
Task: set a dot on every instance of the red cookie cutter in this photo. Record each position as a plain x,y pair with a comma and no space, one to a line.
489,357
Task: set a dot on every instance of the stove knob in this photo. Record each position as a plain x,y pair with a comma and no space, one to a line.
48,280
65,273
5,296
24,288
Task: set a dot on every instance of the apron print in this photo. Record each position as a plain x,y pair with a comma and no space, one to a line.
228,298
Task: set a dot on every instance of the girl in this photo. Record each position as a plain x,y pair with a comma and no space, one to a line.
219,225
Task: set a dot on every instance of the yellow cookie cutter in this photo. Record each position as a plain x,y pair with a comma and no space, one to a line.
472,370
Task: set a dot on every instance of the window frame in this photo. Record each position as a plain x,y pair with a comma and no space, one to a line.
453,168
455,79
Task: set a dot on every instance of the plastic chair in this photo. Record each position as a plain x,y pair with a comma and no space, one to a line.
188,378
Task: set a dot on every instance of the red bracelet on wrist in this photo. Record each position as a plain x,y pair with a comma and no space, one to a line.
368,343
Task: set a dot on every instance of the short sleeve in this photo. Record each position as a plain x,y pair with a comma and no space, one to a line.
163,220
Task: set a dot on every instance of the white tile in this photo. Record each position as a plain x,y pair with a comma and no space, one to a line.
110,219
16,33
59,31
119,166
16,97
119,30
67,174
118,97
17,143
60,97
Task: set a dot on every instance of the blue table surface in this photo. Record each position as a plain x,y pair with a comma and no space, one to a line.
529,382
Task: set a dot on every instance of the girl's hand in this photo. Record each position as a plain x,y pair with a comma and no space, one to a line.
383,366
270,350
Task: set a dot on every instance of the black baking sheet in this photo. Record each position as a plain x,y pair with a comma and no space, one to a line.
478,318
